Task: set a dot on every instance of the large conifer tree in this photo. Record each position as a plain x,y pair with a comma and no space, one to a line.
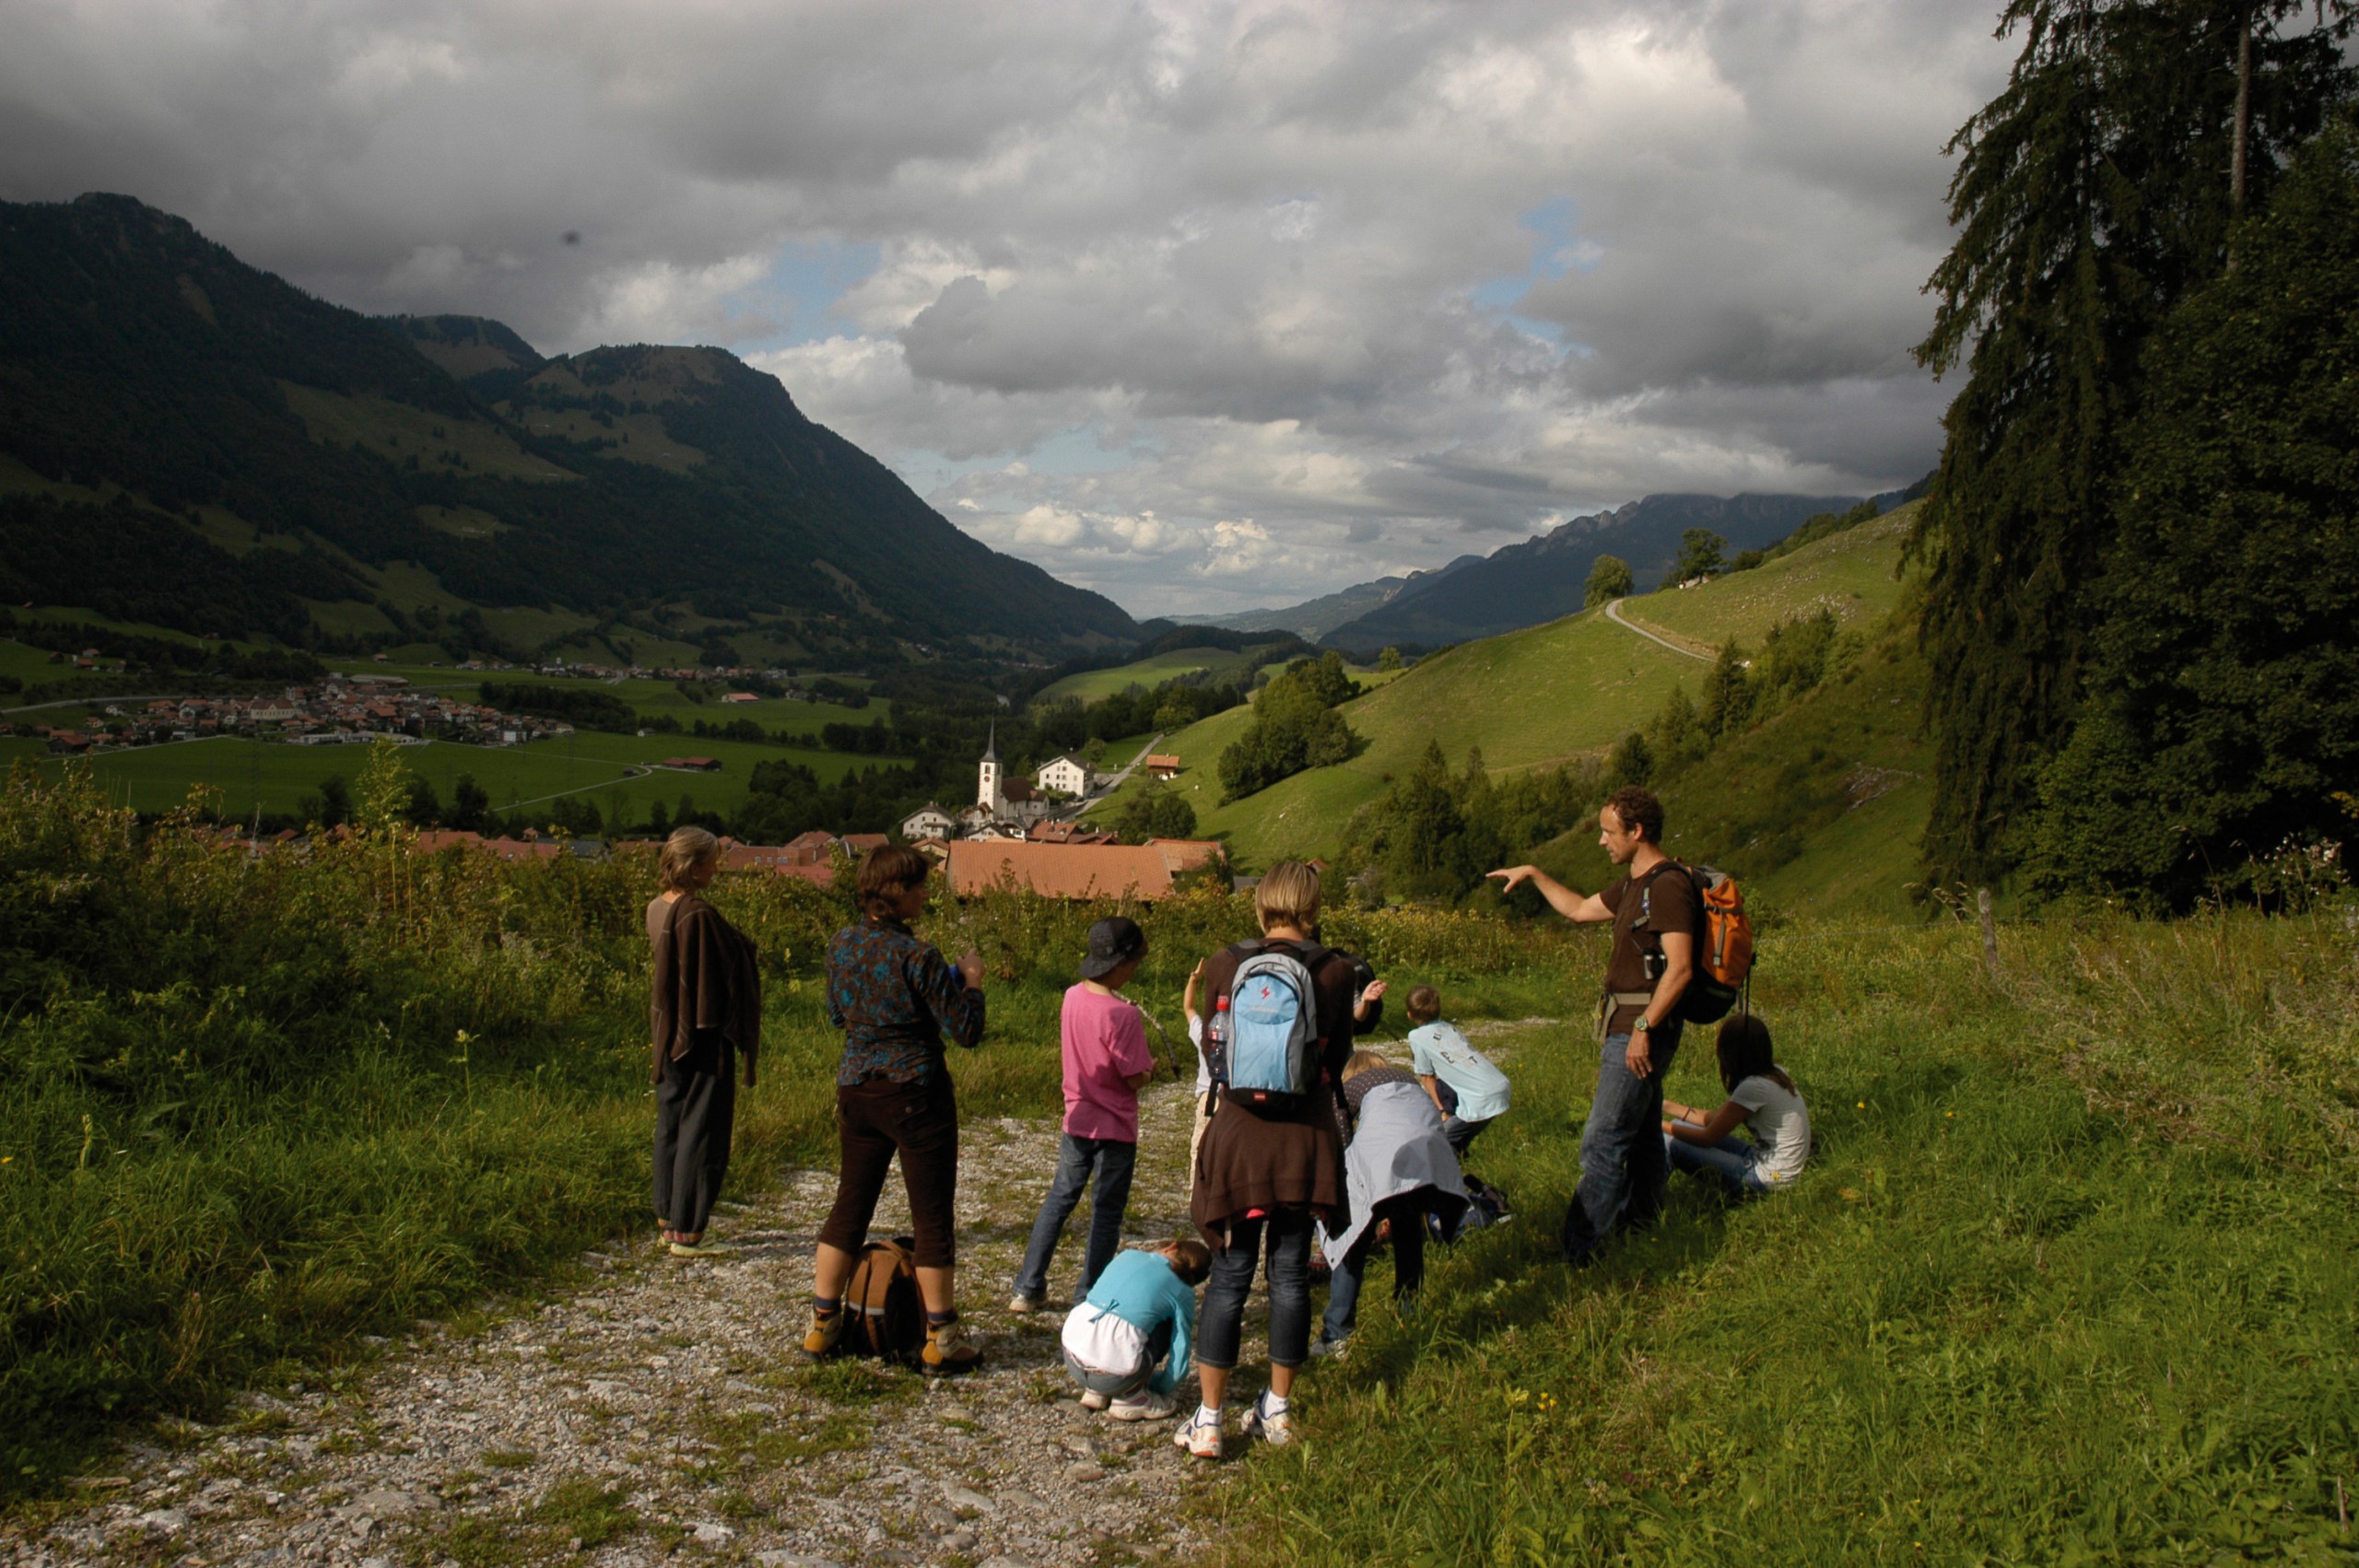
2089,197
2224,710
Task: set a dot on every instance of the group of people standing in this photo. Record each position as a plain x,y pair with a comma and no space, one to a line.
1361,1149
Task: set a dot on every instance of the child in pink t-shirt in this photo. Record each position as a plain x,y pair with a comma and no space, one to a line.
1106,1064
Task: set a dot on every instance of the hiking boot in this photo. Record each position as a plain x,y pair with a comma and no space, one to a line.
1199,1436
1144,1406
1024,1306
1091,1399
825,1333
1325,1346
948,1351
702,1249
1276,1430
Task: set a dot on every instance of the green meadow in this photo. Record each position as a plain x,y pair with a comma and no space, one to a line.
609,769
2068,1281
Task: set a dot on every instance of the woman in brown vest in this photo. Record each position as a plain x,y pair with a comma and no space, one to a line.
705,1009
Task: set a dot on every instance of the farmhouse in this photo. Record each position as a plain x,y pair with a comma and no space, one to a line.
1160,764
1068,775
692,764
929,821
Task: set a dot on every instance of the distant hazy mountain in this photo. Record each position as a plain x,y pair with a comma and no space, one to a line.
197,443
1547,575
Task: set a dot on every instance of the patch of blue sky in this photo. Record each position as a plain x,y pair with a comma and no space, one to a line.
797,301
1555,252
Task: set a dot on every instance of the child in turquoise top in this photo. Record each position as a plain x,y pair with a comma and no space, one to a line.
1139,1312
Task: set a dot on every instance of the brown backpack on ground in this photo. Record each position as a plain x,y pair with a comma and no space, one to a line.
883,1315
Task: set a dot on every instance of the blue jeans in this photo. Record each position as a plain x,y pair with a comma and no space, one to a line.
1078,1160
1735,1162
1124,1385
1407,1214
1220,1323
1624,1168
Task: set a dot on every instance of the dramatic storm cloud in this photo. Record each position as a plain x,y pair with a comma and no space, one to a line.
1204,306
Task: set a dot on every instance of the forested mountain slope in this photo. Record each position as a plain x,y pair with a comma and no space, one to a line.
277,448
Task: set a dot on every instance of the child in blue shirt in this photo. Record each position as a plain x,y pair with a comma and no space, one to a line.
1141,1310
1470,1092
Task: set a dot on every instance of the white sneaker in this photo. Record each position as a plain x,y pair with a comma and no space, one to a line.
1145,1406
1277,1430
1025,1305
1091,1399
1199,1436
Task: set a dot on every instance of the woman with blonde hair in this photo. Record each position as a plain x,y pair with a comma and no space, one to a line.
704,1010
1270,1163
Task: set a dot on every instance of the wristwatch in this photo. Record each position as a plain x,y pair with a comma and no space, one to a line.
1641,1026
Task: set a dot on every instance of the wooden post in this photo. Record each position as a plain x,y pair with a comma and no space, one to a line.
1989,932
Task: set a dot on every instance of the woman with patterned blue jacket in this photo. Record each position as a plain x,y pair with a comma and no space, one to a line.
896,997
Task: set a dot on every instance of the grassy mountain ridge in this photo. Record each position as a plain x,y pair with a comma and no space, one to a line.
141,360
1820,803
1547,575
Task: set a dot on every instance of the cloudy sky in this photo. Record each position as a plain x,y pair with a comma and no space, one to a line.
1205,306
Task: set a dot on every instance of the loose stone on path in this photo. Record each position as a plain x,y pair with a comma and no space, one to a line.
665,1412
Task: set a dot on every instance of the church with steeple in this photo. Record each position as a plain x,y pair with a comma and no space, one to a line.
1003,807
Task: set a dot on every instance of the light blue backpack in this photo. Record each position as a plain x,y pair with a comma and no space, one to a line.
1270,1059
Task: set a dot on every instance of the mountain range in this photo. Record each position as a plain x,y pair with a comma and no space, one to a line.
1538,578
189,441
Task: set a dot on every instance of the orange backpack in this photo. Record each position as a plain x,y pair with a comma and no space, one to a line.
1723,941
883,1315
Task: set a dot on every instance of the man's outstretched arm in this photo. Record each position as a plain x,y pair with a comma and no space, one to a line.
1586,908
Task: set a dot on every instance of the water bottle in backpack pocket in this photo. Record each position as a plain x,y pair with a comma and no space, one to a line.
1269,1057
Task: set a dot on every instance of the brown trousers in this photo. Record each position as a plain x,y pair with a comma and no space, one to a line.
919,1121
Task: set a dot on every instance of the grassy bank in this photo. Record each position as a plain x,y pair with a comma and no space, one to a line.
2070,1280
255,1110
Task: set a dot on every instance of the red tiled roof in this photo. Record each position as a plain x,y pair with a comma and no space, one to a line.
1075,870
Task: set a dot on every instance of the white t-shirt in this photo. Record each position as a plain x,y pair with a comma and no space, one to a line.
1204,1062
1780,1126
1441,1050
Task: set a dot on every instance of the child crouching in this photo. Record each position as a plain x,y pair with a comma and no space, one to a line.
1126,1343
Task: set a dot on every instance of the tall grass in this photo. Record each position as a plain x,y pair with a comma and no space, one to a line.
254,1108
2071,1280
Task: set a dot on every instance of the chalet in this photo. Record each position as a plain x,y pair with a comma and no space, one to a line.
1068,775
929,821
1161,766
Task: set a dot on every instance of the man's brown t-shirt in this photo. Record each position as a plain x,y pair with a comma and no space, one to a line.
1671,907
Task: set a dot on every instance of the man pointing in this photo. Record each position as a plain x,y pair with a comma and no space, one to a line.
1624,1169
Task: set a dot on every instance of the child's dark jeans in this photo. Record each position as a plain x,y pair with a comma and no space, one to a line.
1407,1214
1079,1160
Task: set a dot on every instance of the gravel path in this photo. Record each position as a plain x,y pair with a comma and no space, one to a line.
665,1411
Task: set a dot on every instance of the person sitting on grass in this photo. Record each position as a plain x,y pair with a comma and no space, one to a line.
1763,1099
1128,1340
1106,1064
1470,1092
1398,1168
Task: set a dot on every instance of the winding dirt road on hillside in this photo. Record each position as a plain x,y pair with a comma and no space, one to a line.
1614,613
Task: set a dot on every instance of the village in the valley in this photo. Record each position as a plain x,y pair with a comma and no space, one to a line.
1016,833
